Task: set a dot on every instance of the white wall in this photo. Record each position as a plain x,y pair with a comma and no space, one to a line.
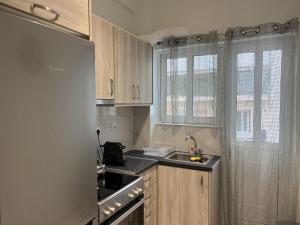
201,16
118,12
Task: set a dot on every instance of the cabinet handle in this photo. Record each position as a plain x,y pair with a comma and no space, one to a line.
139,92
46,8
133,92
111,87
149,197
148,215
147,180
201,184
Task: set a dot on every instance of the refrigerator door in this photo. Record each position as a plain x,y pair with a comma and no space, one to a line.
48,124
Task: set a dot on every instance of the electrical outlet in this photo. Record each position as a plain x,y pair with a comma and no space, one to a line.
98,130
114,127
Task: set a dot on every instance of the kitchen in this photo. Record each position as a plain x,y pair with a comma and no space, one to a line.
191,106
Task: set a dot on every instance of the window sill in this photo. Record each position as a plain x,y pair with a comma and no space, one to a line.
186,125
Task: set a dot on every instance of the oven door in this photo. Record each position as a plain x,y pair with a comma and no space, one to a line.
133,214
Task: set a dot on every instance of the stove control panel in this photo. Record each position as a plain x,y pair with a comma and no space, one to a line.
123,197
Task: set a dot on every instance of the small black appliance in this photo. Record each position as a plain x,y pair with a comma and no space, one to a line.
113,154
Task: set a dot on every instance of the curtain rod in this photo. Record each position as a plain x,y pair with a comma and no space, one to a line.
243,31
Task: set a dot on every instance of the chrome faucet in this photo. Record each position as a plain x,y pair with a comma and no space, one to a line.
193,148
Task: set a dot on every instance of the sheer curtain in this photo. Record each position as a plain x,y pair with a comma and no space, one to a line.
188,73
259,184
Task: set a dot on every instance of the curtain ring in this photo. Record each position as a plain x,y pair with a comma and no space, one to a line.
287,25
243,32
257,30
275,27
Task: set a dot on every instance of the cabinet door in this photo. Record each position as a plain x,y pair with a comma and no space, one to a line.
102,35
73,14
144,73
125,67
182,196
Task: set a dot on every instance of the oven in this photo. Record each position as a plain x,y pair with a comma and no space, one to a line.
120,199
131,215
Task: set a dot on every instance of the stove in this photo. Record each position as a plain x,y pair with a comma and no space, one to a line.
118,194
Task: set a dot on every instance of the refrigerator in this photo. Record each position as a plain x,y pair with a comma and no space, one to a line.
48,125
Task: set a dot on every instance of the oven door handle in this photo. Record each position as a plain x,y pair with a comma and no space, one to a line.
128,212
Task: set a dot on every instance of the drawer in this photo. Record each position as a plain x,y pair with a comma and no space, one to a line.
150,177
150,214
73,14
150,192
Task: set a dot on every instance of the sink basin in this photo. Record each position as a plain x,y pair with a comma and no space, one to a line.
186,157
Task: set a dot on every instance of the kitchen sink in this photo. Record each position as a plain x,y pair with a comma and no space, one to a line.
186,157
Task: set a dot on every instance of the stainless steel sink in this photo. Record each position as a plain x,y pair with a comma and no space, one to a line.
186,157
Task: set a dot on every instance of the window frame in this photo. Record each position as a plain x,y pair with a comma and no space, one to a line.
258,49
189,119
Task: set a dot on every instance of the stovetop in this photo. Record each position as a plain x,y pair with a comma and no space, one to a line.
117,191
133,165
111,182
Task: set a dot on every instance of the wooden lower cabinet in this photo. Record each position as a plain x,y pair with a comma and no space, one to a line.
150,196
187,197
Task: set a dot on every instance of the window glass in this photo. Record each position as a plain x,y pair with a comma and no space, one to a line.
176,85
204,69
270,98
245,96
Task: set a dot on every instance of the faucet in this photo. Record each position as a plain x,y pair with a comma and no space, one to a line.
193,148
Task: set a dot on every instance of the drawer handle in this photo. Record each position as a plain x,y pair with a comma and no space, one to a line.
149,197
147,180
46,8
148,215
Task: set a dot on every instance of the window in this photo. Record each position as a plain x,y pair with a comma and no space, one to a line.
188,85
258,78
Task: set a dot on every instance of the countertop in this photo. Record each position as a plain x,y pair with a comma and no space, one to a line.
136,164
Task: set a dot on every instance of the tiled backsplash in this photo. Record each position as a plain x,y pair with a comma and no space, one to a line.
131,126
116,124
207,138
128,125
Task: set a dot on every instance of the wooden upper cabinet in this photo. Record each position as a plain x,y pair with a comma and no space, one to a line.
73,14
144,72
125,67
133,69
103,36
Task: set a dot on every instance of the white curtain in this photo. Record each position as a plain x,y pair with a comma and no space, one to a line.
259,184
